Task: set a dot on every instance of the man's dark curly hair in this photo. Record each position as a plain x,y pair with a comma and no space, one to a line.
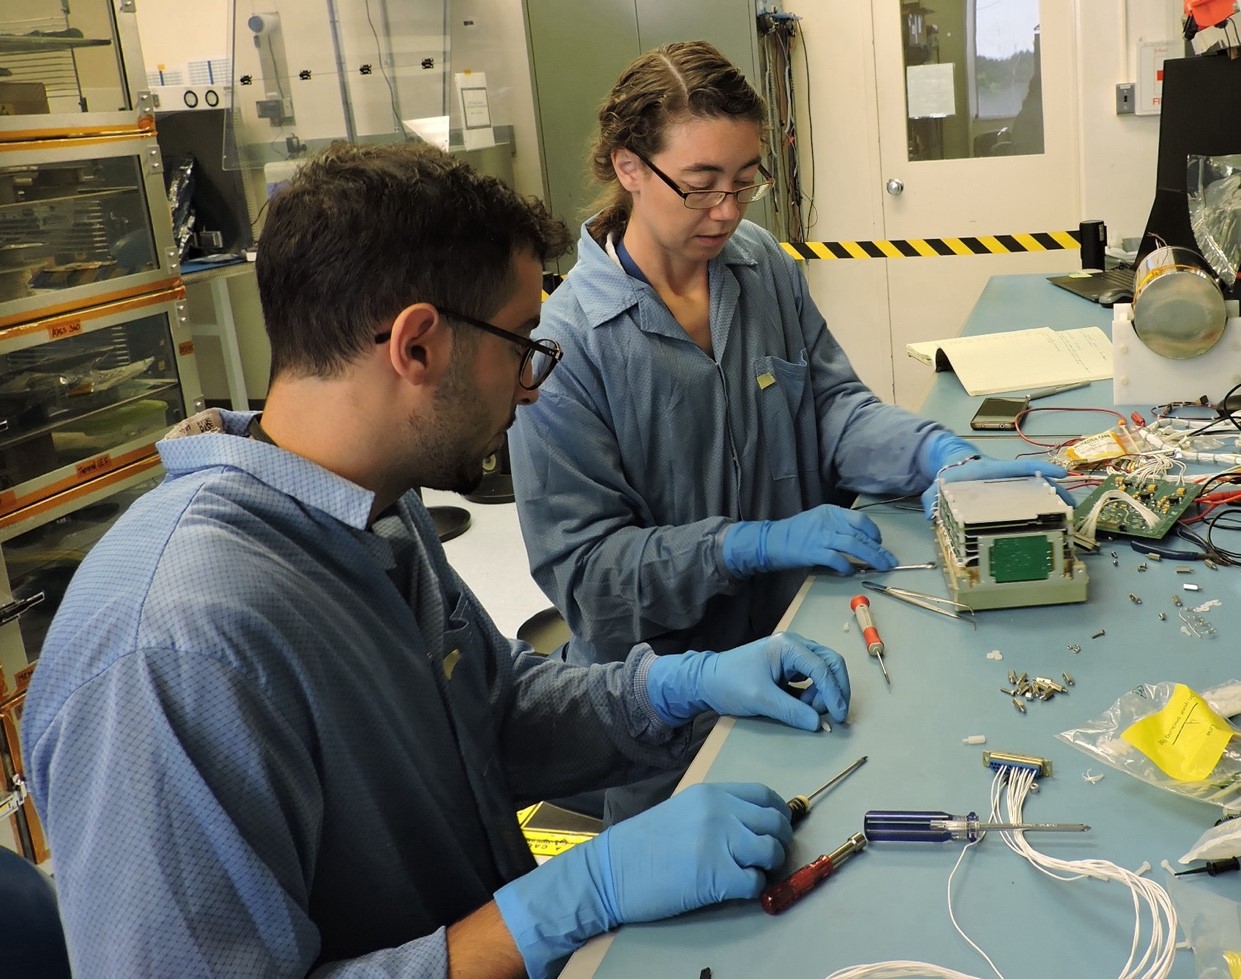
363,231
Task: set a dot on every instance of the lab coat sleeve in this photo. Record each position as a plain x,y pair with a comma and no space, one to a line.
210,880
867,446
600,719
594,547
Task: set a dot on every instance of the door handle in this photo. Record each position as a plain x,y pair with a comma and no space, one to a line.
895,186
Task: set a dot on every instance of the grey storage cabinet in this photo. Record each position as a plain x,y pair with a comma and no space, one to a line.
96,357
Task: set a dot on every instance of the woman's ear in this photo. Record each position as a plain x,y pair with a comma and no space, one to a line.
628,168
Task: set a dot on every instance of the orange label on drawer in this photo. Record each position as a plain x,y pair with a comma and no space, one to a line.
65,328
185,348
22,680
8,500
93,466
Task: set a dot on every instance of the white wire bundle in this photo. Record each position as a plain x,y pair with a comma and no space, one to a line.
1086,527
1156,959
1176,435
1153,465
1009,789
898,969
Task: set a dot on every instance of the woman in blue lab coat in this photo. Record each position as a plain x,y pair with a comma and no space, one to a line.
705,434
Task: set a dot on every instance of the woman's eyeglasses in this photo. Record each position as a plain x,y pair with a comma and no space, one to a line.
704,200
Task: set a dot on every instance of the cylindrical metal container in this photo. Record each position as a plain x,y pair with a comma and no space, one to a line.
1178,309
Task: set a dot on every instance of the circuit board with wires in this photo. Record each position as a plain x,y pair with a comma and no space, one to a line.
1110,510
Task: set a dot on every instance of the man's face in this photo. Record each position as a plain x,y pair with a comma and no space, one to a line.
477,400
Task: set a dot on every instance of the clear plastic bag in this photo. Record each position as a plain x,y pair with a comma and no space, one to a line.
1214,196
1221,841
1212,925
1104,739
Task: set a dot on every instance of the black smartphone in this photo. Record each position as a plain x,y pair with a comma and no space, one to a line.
998,414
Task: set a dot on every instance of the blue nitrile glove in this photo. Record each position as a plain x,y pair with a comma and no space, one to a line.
745,682
821,537
707,844
964,461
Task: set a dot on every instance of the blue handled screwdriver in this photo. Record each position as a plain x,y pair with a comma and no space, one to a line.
916,826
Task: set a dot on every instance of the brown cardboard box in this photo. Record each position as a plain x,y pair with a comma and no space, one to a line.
23,99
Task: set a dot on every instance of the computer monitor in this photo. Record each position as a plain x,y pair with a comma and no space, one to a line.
1200,114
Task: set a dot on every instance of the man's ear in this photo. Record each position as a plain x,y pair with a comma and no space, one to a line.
420,348
628,168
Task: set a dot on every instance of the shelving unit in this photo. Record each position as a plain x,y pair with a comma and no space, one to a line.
96,356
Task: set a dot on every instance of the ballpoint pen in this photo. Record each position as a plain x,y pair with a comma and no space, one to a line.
1056,389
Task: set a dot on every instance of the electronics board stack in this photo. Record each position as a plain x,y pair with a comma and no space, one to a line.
1006,543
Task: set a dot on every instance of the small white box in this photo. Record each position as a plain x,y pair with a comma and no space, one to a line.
1140,376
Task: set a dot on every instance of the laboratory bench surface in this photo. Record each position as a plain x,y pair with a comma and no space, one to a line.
1024,302
891,900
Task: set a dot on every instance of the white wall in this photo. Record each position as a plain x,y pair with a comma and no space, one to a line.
175,33
496,44
1118,152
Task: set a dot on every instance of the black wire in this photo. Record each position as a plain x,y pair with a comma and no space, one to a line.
812,217
1225,520
254,224
396,112
896,502
1222,406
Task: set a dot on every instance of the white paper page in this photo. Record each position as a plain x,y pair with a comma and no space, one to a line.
1000,362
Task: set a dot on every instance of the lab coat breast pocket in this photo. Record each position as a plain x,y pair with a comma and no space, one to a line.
782,393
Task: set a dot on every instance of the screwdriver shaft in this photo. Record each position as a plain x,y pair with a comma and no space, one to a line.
799,805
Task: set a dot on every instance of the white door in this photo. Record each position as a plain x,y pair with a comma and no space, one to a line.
979,139
960,154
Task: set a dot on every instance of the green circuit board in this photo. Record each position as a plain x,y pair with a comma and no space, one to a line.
1168,498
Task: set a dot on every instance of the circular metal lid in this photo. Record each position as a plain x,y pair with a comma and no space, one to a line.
1179,313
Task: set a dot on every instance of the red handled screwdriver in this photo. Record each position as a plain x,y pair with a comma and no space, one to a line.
874,645
779,897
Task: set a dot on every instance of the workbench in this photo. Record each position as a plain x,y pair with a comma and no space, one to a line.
889,901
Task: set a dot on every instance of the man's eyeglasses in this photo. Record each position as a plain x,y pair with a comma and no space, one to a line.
538,359
704,200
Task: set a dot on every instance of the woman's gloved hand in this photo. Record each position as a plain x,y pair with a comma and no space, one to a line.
746,682
952,459
709,843
825,536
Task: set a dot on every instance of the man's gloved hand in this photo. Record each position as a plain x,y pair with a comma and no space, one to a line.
709,843
822,537
745,682
964,462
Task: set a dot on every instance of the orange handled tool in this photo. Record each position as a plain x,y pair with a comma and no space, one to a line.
874,645
779,897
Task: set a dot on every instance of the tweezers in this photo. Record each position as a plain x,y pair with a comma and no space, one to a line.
932,603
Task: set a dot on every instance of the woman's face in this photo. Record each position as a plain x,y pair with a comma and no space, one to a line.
698,154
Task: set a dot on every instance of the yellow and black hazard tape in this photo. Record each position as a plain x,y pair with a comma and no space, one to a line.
1039,241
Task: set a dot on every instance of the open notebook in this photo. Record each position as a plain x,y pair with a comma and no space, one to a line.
995,363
